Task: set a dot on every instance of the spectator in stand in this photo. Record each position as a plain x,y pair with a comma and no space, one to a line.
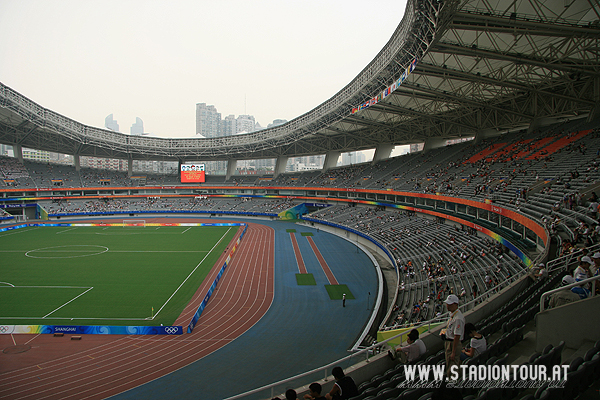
477,344
453,333
595,267
314,390
581,273
291,394
564,296
540,272
344,386
409,353
593,209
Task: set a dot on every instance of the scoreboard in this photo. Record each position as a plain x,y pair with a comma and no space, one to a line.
192,173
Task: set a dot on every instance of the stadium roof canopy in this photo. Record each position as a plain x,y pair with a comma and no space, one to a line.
481,65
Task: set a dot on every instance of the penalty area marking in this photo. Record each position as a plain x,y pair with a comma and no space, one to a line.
66,230
74,298
10,285
194,270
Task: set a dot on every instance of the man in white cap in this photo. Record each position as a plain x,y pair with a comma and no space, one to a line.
564,296
453,333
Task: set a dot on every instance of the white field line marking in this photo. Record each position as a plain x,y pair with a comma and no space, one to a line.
117,233
186,230
81,318
112,251
47,251
51,287
13,339
19,231
66,230
66,318
74,298
27,342
7,283
159,251
188,277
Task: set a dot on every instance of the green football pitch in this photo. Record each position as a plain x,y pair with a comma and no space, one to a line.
104,275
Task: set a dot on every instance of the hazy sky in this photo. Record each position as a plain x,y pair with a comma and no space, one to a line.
156,59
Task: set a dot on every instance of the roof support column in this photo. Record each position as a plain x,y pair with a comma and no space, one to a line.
595,112
382,152
538,123
485,134
433,143
231,166
331,160
77,162
129,166
18,152
280,165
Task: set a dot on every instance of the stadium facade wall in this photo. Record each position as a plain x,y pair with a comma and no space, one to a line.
551,327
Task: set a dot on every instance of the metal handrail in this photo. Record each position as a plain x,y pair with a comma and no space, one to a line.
325,368
485,295
562,261
593,280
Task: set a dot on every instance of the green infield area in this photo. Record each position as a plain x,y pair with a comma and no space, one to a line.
105,275
305,280
337,291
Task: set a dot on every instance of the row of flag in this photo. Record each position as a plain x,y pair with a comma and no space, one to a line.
389,90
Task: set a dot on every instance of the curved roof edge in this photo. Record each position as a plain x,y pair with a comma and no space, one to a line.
409,41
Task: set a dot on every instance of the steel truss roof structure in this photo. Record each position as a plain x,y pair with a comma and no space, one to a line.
482,64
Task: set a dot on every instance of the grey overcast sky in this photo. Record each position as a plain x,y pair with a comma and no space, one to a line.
155,60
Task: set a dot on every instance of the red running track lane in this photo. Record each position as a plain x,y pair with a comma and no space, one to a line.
116,364
326,269
298,254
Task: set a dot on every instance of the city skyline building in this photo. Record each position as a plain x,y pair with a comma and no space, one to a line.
245,124
209,123
208,120
138,127
277,122
111,123
41,156
228,125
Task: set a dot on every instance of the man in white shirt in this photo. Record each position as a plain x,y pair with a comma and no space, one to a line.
453,333
583,272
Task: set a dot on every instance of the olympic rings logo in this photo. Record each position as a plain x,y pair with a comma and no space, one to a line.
171,330
4,329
